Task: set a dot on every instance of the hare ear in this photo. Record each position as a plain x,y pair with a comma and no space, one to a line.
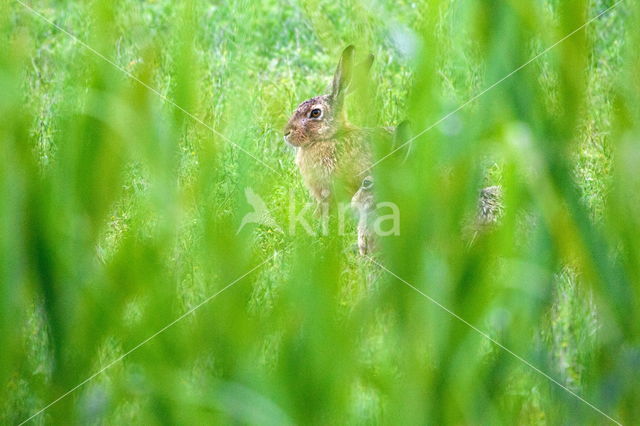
342,76
360,74
402,133
365,66
402,138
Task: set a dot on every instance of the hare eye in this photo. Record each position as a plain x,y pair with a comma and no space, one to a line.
367,183
315,113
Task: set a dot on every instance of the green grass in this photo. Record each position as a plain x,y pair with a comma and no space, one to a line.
119,213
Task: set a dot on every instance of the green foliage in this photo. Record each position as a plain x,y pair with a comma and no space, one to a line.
124,178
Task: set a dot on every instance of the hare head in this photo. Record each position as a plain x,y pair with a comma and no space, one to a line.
321,118
362,201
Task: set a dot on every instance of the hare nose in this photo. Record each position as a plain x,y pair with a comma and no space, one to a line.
288,129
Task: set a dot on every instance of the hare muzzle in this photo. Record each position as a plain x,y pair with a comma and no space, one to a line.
291,135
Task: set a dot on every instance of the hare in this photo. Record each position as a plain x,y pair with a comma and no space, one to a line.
363,203
489,210
329,148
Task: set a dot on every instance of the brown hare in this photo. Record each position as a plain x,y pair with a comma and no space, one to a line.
329,149
488,213
363,204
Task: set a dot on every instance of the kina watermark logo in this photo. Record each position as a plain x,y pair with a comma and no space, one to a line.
379,219
260,214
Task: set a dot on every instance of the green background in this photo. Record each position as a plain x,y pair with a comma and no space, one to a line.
119,213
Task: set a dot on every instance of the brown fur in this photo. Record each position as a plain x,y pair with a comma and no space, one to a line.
330,151
363,203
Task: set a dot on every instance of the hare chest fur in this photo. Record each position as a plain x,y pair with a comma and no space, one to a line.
317,164
325,164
